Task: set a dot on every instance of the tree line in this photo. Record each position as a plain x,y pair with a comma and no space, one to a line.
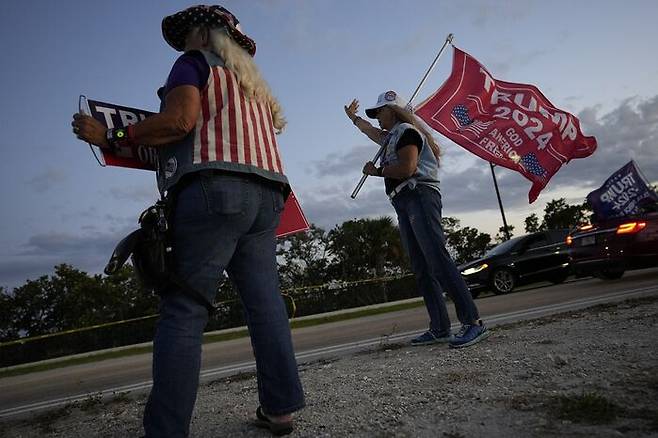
355,250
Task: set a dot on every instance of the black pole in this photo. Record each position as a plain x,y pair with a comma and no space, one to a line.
500,203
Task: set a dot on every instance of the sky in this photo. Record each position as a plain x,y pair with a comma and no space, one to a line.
595,59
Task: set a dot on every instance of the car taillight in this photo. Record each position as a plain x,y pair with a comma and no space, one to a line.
631,227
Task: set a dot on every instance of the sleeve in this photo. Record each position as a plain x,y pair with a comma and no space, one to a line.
190,68
409,136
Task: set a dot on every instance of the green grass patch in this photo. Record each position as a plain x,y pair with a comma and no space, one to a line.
589,407
74,361
209,339
355,314
295,323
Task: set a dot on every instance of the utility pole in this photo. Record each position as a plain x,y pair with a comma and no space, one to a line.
500,203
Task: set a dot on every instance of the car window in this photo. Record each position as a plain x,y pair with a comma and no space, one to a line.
557,236
504,247
537,241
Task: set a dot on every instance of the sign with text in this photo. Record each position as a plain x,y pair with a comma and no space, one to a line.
117,116
512,125
622,194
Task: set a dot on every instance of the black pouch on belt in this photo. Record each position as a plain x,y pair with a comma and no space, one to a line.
151,252
151,257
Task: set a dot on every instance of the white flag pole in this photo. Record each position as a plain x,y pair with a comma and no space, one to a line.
413,96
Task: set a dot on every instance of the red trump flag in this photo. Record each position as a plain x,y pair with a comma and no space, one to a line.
512,125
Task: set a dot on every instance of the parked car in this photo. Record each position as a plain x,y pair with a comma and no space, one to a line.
609,248
540,256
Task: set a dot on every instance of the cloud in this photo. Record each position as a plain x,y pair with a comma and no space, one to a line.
47,179
333,206
508,59
146,193
627,132
341,164
41,252
97,220
15,272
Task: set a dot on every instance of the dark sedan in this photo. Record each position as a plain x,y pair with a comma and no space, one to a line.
609,248
540,256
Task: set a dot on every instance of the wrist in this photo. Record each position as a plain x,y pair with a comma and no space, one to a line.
117,137
380,171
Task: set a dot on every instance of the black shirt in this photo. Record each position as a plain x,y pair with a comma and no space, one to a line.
409,136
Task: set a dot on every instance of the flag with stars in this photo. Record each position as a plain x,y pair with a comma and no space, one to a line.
461,117
531,164
509,124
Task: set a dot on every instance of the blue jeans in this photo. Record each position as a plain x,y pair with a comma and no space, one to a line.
222,222
419,219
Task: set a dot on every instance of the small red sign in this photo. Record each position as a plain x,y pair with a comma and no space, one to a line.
292,218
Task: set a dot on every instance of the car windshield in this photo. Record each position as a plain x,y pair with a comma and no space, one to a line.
503,247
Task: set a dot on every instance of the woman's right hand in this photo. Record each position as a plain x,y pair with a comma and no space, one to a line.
351,109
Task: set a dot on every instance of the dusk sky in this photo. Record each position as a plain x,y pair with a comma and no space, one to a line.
595,59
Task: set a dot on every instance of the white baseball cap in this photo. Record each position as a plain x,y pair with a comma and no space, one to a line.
389,97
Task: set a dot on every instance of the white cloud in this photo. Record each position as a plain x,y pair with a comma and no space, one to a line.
48,179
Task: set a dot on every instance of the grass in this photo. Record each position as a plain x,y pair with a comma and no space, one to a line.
74,361
589,407
295,323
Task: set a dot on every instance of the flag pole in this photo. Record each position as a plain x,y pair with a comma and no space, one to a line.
413,96
500,202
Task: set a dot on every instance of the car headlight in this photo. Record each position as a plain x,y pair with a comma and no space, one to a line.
475,269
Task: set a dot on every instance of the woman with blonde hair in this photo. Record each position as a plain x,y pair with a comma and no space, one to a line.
409,166
219,164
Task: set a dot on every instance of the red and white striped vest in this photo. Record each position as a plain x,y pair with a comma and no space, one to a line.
232,133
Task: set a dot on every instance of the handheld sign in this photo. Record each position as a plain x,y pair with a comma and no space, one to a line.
117,116
146,157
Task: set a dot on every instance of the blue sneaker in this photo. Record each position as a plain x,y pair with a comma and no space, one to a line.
470,334
429,337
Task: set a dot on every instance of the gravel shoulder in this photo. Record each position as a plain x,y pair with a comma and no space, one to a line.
580,374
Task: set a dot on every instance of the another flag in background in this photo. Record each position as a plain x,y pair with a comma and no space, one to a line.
622,194
512,125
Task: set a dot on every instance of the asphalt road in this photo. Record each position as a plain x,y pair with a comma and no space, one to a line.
22,395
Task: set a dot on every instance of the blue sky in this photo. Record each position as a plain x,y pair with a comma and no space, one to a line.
595,59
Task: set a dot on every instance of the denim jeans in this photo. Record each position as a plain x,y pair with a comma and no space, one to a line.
419,219
222,222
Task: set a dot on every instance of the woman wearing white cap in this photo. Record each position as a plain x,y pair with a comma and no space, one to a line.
409,166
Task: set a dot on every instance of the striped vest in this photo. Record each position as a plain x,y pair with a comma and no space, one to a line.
232,133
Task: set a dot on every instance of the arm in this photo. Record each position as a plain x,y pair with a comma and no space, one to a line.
182,107
375,134
403,169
